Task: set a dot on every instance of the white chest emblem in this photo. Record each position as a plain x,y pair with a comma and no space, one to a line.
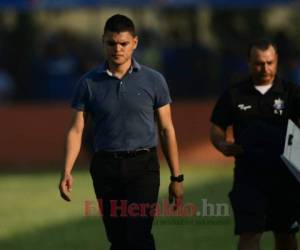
244,107
278,106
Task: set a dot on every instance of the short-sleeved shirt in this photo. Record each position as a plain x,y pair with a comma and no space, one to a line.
122,109
259,120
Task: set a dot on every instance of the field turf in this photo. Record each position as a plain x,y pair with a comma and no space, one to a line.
34,217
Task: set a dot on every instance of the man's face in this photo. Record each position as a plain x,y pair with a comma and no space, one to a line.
263,65
119,47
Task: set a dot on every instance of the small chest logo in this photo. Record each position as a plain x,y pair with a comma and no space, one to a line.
278,106
244,107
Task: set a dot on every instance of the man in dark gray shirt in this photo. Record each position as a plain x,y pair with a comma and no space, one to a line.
124,100
265,194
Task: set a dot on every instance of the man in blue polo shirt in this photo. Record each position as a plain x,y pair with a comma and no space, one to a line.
124,100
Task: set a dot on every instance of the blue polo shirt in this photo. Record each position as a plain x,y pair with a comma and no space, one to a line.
122,109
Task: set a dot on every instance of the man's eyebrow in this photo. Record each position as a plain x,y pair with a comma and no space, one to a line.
112,41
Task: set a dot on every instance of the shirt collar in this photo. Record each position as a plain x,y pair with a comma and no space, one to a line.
135,67
277,85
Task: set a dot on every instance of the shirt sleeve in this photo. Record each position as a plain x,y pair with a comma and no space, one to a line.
222,114
162,96
80,100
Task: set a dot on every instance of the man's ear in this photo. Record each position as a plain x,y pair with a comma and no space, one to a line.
136,41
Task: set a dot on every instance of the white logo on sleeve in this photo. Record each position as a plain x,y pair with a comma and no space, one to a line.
244,107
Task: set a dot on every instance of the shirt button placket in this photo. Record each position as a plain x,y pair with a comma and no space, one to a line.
121,88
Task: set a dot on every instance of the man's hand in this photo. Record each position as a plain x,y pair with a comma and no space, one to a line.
176,194
230,149
65,186
218,138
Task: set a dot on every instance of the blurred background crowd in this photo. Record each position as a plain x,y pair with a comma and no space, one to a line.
199,49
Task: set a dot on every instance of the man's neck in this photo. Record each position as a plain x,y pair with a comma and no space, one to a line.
258,82
119,70
263,84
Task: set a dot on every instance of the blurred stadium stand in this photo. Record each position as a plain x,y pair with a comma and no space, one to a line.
46,45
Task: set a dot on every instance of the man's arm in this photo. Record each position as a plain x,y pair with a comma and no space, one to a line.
218,139
73,144
169,147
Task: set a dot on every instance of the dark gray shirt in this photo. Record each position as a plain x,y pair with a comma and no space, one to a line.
122,110
259,120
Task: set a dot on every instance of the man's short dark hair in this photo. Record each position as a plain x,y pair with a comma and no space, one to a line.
119,23
262,44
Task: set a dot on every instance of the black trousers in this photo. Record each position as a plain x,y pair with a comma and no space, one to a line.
127,192
265,197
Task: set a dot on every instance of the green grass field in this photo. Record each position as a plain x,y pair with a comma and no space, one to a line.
34,217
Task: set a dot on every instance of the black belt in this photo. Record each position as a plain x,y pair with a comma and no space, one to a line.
125,154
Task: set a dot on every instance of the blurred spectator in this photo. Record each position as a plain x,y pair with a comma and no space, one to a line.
295,70
58,70
233,67
89,53
286,50
188,70
7,86
149,49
